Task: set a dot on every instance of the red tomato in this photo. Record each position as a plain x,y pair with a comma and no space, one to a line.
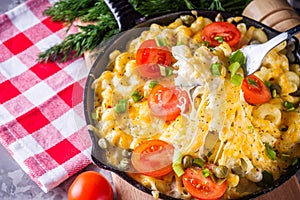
90,185
165,102
255,90
200,187
226,30
153,158
149,56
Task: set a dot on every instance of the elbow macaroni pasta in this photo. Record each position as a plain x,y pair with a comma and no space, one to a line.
243,129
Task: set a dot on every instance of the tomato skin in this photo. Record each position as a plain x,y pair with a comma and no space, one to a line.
153,158
200,187
90,185
226,30
149,56
255,94
163,102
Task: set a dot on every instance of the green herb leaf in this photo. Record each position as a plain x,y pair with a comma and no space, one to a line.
236,79
270,152
121,106
177,166
216,69
267,179
160,41
252,82
284,156
165,71
220,39
153,84
233,67
289,105
239,57
205,172
295,161
198,162
136,96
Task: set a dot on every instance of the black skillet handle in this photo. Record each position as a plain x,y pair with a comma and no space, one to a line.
124,13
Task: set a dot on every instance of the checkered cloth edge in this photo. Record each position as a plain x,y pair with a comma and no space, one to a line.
41,110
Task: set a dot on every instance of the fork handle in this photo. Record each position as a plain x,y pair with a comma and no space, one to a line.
293,31
280,38
285,35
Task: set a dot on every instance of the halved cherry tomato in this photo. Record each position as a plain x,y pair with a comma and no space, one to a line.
200,187
153,158
227,31
90,185
166,102
149,56
255,90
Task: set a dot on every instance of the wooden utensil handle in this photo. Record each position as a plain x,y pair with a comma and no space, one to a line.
277,14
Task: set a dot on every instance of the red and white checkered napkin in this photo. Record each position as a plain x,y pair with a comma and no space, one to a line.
41,111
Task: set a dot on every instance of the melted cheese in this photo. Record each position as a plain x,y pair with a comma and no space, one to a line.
219,121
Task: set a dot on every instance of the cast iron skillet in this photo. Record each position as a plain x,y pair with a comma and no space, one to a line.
128,20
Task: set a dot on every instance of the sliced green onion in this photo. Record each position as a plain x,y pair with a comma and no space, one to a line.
205,172
205,43
268,84
233,67
220,39
177,166
236,79
274,93
179,43
121,106
289,105
136,96
275,89
161,41
251,129
266,180
165,71
239,57
284,156
198,162
209,154
95,115
270,152
153,84
216,69
267,177
295,161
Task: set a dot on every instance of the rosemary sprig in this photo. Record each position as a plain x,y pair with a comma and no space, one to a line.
216,5
89,36
69,10
104,24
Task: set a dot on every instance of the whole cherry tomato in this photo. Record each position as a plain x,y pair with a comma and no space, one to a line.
90,185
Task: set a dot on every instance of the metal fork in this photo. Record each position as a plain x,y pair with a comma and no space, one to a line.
255,53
